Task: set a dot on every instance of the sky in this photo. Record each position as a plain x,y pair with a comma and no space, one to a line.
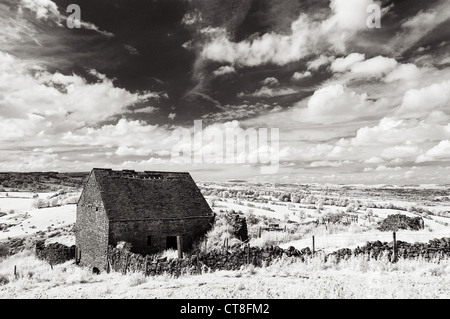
351,104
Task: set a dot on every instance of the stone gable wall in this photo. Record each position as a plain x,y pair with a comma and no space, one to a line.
92,227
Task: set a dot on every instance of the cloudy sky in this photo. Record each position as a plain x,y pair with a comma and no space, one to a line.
352,104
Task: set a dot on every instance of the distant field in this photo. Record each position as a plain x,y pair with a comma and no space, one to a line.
261,206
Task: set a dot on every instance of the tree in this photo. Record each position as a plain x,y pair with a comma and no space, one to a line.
251,218
41,203
295,198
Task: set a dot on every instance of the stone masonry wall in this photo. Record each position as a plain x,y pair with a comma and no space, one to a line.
237,256
137,233
91,230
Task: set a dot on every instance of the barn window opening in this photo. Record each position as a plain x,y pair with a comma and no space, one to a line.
149,240
172,242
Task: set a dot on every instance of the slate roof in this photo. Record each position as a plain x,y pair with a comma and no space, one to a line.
134,195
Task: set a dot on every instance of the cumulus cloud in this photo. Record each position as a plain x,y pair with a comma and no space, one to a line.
356,64
318,62
270,81
127,151
344,64
376,66
334,104
440,152
269,48
330,163
236,112
407,71
316,153
383,168
301,75
27,88
400,151
42,8
374,160
132,134
420,102
348,15
306,36
226,69
19,129
394,131
268,92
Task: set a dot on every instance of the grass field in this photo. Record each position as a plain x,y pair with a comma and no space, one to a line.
353,278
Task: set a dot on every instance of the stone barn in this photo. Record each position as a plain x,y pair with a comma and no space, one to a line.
149,210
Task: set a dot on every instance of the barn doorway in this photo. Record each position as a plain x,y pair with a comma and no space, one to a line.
172,242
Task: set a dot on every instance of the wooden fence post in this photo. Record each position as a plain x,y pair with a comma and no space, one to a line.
180,246
146,265
259,233
198,263
126,264
15,271
313,245
394,259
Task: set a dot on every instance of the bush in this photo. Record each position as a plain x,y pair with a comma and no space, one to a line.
41,203
252,219
4,251
3,280
137,279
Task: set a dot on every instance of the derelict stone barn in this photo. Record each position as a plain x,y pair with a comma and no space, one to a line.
146,209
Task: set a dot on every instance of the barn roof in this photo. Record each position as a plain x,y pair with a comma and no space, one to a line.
134,195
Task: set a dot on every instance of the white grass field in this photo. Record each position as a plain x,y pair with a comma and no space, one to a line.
354,278
314,279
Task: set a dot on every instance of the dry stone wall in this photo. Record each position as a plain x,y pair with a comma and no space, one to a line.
233,259
122,260
54,253
399,221
435,248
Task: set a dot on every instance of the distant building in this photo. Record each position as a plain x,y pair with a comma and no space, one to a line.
146,209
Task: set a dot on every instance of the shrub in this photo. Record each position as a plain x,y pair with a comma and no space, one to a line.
41,203
3,280
252,219
137,279
4,251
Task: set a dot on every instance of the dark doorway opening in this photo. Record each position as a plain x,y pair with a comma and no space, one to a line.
172,242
